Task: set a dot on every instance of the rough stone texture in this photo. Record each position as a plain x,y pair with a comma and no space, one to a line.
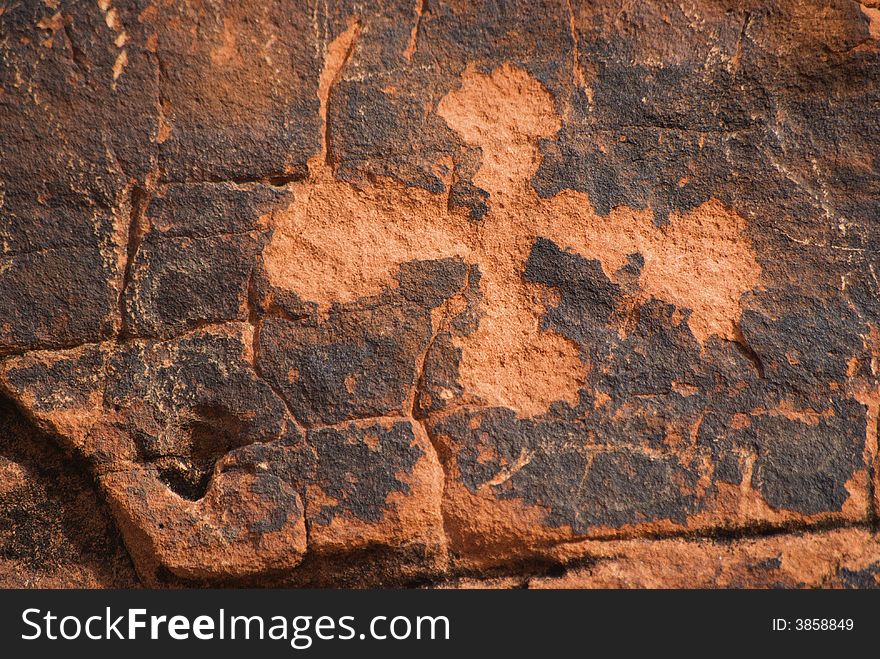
841,558
55,529
551,293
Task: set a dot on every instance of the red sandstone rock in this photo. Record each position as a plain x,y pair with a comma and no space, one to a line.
346,295
845,558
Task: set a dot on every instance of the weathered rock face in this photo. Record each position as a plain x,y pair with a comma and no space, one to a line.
395,294
55,531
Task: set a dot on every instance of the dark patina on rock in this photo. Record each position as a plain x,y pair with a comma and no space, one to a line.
436,286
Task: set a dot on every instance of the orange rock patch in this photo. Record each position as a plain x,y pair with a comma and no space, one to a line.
336,242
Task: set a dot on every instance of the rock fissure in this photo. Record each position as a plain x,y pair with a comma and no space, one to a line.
138,201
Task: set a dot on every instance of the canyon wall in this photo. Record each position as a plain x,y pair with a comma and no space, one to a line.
429,292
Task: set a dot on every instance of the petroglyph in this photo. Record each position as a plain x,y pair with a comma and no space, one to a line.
337,243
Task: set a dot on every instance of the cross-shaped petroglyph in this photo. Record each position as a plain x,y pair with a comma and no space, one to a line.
337,242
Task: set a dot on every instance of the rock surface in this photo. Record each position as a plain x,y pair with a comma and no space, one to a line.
437,292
